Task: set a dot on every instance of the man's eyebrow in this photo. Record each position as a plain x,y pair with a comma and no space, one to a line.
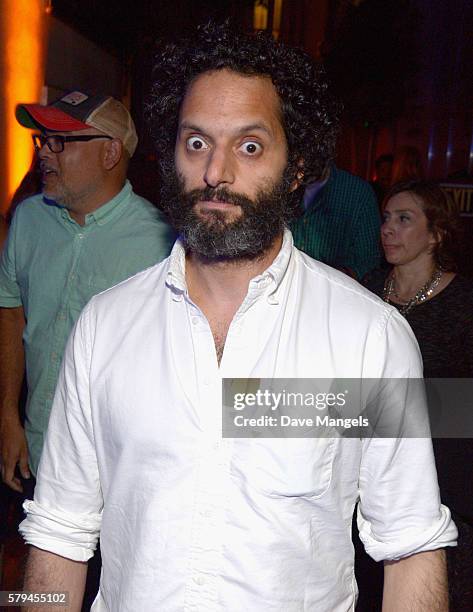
191,126
254,127
251,127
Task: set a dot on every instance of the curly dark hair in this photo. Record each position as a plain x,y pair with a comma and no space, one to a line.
309,113
443,219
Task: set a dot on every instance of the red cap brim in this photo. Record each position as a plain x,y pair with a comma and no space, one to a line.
47,117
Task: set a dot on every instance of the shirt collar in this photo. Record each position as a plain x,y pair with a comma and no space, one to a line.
278,268
108,211
312,191
176,276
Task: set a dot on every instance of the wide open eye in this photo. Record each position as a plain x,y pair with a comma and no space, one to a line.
251,148
196,143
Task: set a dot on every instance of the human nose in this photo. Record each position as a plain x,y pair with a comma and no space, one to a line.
387,227
44,152
219,168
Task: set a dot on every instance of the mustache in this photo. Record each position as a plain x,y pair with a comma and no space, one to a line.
44,167
218,194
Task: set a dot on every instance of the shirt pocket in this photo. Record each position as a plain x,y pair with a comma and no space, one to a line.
289,467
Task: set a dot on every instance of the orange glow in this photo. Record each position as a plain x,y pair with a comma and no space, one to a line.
277,18
260,16
24,36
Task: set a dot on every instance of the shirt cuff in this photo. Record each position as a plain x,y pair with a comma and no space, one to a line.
438,535
69,535
10,302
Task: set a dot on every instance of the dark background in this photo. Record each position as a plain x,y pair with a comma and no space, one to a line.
401,67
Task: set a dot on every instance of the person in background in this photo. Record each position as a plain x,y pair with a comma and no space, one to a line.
407,165
383,173
340,223
420,236
87,231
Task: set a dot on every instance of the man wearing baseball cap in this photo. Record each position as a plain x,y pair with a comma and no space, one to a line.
87,231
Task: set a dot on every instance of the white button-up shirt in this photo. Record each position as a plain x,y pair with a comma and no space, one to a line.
191,521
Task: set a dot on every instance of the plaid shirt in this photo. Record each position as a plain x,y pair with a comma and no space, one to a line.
341,225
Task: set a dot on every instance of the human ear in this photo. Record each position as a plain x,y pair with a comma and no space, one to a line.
112,153
297,182
436,237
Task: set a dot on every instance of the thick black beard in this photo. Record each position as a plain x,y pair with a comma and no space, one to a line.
210,236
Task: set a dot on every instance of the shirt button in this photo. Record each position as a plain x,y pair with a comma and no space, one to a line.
195,320
200,580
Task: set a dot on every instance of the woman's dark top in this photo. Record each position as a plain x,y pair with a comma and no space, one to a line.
443,327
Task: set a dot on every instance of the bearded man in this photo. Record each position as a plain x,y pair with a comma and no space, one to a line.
188,519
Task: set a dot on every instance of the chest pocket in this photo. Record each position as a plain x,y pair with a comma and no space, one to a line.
289,467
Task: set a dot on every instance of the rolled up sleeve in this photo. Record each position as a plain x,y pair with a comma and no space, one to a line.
400,513
70,535
65,516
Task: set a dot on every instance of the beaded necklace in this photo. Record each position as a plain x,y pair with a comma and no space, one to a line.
421,296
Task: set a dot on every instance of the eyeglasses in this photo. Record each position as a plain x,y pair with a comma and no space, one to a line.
56,142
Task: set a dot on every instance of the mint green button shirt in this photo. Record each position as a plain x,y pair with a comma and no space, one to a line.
52,266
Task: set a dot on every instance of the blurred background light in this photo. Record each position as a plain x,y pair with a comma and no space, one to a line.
23,43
